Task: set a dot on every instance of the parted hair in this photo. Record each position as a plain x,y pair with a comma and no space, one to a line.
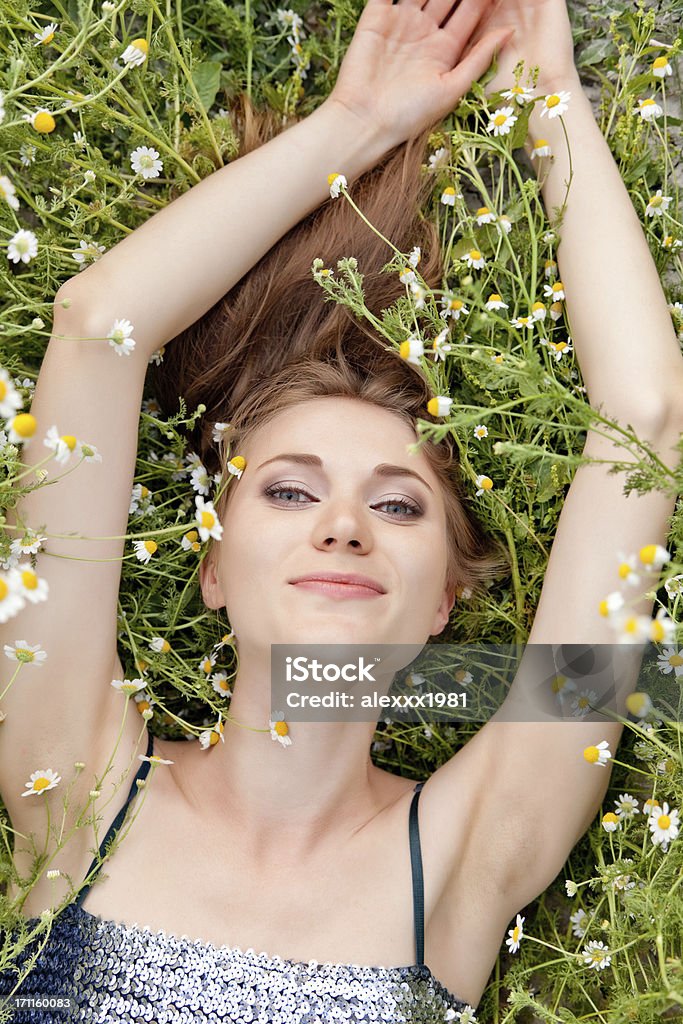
275,339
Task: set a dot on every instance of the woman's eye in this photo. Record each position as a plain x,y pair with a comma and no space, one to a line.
408,508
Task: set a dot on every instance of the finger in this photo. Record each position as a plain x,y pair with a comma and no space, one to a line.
464,20
473,65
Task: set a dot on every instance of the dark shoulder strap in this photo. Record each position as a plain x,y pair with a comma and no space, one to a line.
118,820
418,880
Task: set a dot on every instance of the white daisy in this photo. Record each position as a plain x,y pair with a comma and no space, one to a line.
541,148
8,192
597,955
664,825
661,67
450,306
412,350
279,730
555,104
648,109
503,224
449,195
480,431
626,805
41,782
583,702
206,517
657,204
599,754
474,258
494,301
155,759
440,347
144,549
336,182
671,660
135,54
554,291
515,935
627,568
22,246
501,121
484,483
484,215
521,93
610,822
45,35
439,158
577,920
89,251
145,161
119,337
128,686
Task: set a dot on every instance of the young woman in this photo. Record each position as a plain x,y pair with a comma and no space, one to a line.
308,852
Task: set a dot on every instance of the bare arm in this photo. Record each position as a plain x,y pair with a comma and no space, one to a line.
174,267
618,318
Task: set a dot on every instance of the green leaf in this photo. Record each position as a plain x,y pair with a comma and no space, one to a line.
207,77
595,52
521,126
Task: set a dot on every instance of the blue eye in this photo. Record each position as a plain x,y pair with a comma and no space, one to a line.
410,509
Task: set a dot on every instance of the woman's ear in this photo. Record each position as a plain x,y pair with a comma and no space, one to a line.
443,611
209,583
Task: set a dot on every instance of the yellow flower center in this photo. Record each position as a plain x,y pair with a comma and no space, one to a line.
239,462
631,624
43,782
603,608
4,590
515,933
208,519
500,119
29,579
552,101
449,191
663,820
143,705
659,62
624,570
675,660
541,142
48,39
44,122
475,254
456,304
151,546
191,536
281,728
140,44
591,754
144,491
647,103
656,200
558,286
494,297
69,440
647,554
331,177
482,211
610,818
486,482
657,631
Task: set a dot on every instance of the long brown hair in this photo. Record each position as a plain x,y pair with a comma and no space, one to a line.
275,339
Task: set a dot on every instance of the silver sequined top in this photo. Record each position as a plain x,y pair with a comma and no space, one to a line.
126,973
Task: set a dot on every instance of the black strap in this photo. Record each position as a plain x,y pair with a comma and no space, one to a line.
418,880
116,823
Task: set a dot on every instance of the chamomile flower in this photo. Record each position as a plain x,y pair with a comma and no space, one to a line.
660,67
484,483
440,405
515,935
669,242
610,821
583,702
449,195
671,660
558,348
653,556
630,627
10,399
419,294
62,446
523,321
639,704
555,104
155,759
661,628
484,215
210,737
538,311
46,35
503,224
626,805
119,337
627,568
26,654
87,252
549,267
501,121
450,306
599,754
209,524
571,887
577,919
657,204
336,182
494,301
145,161
144,549
466,1016
441,347
41,120
521,93
597,955
664,825
11,601
237,465
554,291
610,604
279,730
41,781
474,259
22,246
439,158
541,148
8,192
219,681
135,53
648,109
159,645
128,686
481,430
412,350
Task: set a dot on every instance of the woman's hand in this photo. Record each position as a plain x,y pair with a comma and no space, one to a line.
542,36
404,69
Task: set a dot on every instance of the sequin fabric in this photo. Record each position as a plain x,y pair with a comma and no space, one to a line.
126,973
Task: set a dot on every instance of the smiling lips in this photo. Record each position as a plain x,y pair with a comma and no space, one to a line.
337,584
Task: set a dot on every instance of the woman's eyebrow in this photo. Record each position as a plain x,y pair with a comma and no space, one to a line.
384,468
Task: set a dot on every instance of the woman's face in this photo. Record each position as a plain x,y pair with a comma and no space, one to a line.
333,513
